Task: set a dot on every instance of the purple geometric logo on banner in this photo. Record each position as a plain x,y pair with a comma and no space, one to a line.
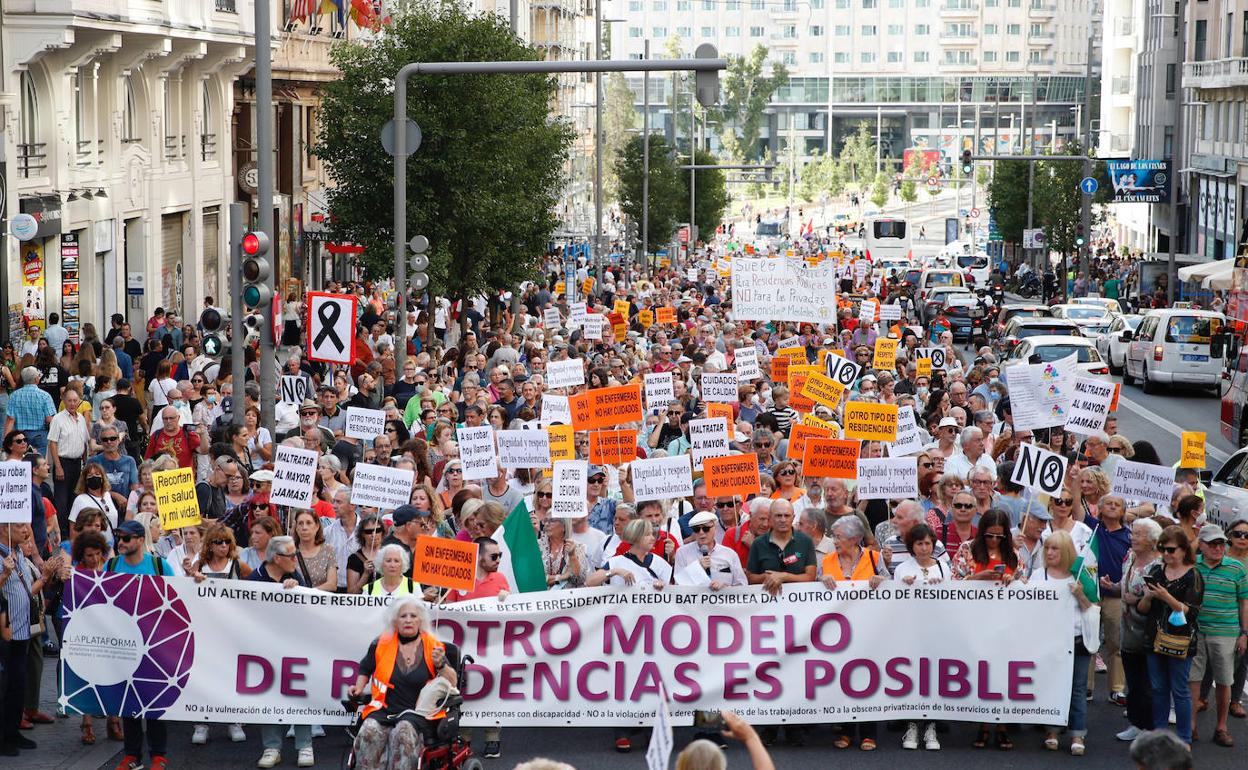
130,640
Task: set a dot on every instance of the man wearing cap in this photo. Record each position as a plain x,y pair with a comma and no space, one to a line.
1223,630
703,561
172,439
601,507
309,419
133,559
946,435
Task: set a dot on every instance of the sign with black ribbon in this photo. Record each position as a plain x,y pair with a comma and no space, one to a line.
331,327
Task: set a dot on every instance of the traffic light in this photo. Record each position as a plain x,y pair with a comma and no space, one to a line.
1080,239
211,322
256,269
968,165
418,279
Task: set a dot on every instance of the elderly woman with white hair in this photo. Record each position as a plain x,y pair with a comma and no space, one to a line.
1142,557
636,566
391,565
408,674
852,560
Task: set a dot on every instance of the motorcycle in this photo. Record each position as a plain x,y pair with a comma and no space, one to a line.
1029,286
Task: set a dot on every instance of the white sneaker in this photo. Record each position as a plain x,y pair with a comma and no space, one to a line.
305,758
236,733
290,732
270,758
1131,733
199,736
930,741
911,739
1173,719
318,731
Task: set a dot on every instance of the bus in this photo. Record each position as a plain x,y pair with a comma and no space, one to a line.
887,237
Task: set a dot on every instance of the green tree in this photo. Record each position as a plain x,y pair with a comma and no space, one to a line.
619,120
667,191
911,174
710,199
879,189
858,156
745,92
1007,197
1056,199
484,183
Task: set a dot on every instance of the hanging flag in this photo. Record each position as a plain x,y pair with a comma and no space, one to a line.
364,14
336,7
521,559
301,10
1084,569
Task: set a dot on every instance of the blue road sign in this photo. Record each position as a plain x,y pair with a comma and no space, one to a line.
1087,185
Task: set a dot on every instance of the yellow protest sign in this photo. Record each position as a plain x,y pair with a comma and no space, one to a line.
646,318
885,353
814,422
796,355
175,498
561,446
870,422
560,287
822,389
923,367
621,307
1193,455
587,286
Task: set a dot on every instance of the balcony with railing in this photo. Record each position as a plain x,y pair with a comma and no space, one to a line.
955,8
1218,73
32,159
207,147
959,38
1041,38
227,6
1120,85
175,147
1039,8
88,152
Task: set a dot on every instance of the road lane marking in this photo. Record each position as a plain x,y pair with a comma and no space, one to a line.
1210,449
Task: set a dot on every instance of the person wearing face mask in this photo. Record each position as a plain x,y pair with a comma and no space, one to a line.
120,469
93,494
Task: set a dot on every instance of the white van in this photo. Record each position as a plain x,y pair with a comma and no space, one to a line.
1175,347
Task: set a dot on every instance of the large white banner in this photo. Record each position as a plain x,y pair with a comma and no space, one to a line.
781,289
231,651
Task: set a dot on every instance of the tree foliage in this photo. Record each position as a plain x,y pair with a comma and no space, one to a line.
619,119
667,191
710,194
858,156
484,183
1007,197
823,174
745,92
879,189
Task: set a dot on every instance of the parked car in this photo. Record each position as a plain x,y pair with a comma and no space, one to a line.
1110,344
1175,347
1227,497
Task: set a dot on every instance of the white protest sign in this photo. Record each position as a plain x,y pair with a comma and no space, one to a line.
592,328
295,388
660,390
569,489
692,274
576,314
720,387
909,440
938,357
888,478
841,369
1090,406
523,448
1040,469
708,437
294,473
331,327
659,752
777,289
381,487
790,342
555,409
15,502
551,318
746,361
866,311
862,269
567,373
365,423
890,312
662,478
1143,481
476,451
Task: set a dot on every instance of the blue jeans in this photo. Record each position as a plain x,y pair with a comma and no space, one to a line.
37,440
1168,677
272,735
1077,725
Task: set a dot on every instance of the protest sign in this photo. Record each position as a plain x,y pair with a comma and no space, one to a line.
592,327
708,438
871,422
562,445
523,448
381,487
295,388
830,457
175,498
612,447
587,286
721,410
1192,449
606,407
1144,482
15,502
890,312
885,353
923,367
567,373
1039,469
659,751
555,409
887,478
294,475
621,306
619,326
570,489
799,434
576,314
662,478
477,451
777,289
665,315
330,322
867,311
444,562
365,423
1089,406
551,318
780,369
594,656
1040,394
816,422
646,318
720,388
660,390
791,347
797,383
841,369
909,441
822,389
938,356
746,362
731,475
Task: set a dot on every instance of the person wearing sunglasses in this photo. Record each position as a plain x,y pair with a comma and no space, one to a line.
1237,549
1222,635
704,562
219,559
960,528
1173,595
785,473
990,555
360,565
1062,506
490,583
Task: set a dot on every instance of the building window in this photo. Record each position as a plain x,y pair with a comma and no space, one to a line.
684,32
991,29
816,57
756,31
1014,3
708,5
1013,29
1170,77
990,56
789,6
840,57
634,31
682,5
922,29
1167,142
816,4
868,4
1202,39
921,57
922,3
896,29
788,59
82,120
129,113
896,3
867,57
842,30
732,32
816,31
708,32
894,57
788,32
1012,56
635,6
868,30
732,5
756,5
659,32
1033,57
842,4
659,5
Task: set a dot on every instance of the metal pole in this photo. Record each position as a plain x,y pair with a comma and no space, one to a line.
693,176
598,140
1085,213
400,214
264,199
645,164
238,226
1176,155
515,18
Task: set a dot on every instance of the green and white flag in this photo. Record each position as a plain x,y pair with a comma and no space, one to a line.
1084,568
521,560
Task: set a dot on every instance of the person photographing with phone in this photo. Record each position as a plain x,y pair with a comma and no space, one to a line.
707,755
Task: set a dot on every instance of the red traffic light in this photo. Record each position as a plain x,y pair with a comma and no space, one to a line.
255,243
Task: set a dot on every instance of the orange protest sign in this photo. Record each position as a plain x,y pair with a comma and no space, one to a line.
606,407
923,367
796,355
646,318
612,447
665,315
780,369
619,327
587,286
797,381
799,434
1113,405
822,389
714,409
831,457
871,422
562,446
731,475
559,287
443,562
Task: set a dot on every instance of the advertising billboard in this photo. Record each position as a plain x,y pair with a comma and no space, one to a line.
1139,181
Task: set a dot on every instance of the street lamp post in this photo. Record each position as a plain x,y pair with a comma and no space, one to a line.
706,65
